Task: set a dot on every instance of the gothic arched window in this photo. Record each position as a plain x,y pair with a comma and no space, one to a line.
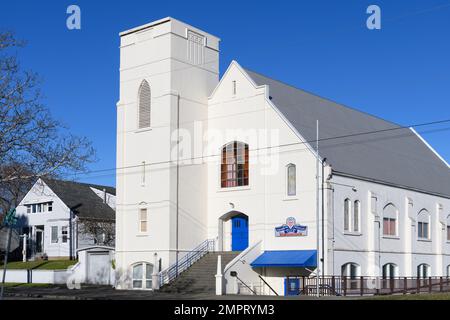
144,105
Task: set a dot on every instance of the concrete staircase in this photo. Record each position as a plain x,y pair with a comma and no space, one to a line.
200,277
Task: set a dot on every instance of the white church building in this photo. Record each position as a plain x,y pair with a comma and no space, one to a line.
233,160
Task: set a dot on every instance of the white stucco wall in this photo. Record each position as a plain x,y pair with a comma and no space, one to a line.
159,54
405,250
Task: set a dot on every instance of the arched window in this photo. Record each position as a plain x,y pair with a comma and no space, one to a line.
390,220
423,225
423,270
356,213
234,165
142,275
448,228
347,209
144,105
291,174
389,271
350,270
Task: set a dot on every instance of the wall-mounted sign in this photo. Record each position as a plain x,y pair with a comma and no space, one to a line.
291,229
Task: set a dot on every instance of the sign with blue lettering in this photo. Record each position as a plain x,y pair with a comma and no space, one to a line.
291,229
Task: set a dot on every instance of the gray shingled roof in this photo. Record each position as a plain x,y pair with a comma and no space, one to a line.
397,157
80,197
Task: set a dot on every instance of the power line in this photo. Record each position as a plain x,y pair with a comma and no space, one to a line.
271,147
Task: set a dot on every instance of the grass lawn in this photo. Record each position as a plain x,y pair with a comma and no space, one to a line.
423,296
41,265
57,265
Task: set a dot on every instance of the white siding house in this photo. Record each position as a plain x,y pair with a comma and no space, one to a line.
235,160
54,215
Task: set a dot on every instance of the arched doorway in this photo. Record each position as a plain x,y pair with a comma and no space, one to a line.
237,229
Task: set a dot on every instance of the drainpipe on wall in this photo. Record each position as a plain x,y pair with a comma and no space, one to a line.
70,236
178,178
323,218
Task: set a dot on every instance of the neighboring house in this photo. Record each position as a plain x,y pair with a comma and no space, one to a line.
61,217
384,197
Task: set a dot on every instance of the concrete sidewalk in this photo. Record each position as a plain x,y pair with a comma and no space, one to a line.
87,292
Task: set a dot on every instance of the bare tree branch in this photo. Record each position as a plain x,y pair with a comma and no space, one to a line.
32,143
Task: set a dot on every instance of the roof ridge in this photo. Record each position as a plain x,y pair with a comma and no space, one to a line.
324,98
78,183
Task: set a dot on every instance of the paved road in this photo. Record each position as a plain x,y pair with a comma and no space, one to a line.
108,293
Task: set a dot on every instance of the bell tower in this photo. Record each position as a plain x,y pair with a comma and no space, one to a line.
168,69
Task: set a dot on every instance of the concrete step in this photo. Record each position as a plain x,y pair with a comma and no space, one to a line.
200,277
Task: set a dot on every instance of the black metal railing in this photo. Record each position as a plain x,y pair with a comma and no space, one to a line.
166,276
365,285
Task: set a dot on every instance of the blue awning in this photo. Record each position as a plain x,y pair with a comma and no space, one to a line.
286,258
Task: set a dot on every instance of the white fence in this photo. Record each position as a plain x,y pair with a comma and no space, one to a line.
37,276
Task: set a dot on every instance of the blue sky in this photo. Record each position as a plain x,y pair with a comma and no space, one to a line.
400,73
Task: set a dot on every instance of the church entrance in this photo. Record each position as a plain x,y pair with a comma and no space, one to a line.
233,232
239,233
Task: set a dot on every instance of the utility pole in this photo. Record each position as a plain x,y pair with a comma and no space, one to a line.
317,210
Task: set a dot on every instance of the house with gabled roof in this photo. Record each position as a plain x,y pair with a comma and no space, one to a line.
283,184
60,217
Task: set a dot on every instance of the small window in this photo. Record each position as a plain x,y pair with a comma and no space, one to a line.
389,271
234,87
356,212
39,207
423,225
423,270
50,207
291,180
143,220
54,234
390,218
142,276
28,209
64,234
347,208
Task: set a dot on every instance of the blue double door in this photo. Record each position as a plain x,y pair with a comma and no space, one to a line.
239,233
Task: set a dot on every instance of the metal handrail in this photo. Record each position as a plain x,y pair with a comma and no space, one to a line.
253,291
267,285
184,263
